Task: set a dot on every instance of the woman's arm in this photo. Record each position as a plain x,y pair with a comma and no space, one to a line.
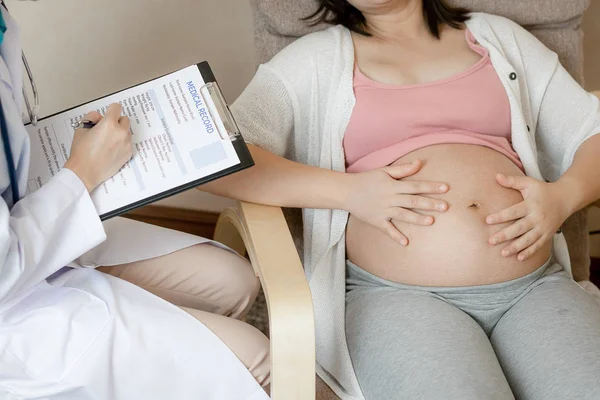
581,183
376,197
277,181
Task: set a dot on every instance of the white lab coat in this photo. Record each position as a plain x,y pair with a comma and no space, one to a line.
82,334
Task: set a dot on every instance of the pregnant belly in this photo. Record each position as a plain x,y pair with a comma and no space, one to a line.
454,251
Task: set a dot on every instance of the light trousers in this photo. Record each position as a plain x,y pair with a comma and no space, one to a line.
213,285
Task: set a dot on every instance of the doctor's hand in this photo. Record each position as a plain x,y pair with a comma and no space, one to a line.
535,220
98,153
381,197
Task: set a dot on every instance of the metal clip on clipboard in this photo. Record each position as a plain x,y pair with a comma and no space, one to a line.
228,129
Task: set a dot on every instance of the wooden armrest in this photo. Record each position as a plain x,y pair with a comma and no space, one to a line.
263,232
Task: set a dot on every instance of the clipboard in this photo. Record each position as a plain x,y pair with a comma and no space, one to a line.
227,129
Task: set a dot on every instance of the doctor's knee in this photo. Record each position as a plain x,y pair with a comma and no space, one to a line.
237,282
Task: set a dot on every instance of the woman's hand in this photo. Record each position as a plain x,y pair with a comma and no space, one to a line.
536,218
98,153
379,197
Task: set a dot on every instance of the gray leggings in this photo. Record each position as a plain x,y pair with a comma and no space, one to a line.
536,337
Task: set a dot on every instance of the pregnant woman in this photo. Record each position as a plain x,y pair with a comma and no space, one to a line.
436,153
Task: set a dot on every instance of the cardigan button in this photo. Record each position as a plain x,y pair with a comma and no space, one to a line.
528,128
513,76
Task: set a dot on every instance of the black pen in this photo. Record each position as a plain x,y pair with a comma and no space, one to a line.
83,124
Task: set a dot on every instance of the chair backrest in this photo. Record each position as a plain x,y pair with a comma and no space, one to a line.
557,23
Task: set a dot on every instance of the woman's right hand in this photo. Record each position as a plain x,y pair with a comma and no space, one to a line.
380,197
98,153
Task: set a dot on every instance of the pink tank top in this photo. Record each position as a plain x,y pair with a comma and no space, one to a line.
390,121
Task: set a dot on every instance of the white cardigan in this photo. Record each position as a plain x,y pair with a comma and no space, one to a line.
298,106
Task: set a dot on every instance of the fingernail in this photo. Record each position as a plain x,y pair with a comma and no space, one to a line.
403,242
506,253
495,241
429,220
443,188
521,257
441,206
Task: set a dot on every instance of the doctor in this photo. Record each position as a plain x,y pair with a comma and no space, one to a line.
71,331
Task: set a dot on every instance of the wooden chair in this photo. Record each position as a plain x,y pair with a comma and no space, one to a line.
263,231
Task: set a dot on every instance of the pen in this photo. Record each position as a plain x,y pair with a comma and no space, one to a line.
82,125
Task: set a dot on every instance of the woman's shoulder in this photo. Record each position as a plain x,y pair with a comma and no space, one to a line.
507,34
497,23
314,50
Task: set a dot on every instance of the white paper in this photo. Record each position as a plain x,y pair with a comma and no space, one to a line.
175,140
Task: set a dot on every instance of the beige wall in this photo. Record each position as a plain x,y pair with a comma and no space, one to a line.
83,49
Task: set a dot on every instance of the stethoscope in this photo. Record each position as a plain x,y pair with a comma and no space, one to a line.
33,117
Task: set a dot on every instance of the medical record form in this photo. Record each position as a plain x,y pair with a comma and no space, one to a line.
183,136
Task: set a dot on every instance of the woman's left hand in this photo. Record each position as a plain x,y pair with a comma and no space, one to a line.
536,219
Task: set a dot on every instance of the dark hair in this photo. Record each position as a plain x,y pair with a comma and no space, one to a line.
435,12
